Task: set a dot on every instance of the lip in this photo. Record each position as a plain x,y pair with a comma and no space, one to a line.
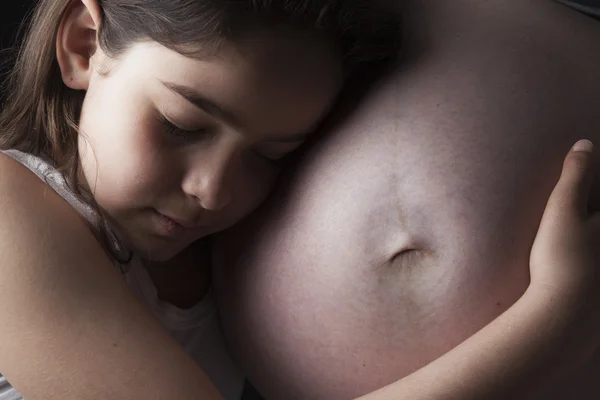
174,227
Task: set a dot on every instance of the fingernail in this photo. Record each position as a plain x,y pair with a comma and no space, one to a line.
584,145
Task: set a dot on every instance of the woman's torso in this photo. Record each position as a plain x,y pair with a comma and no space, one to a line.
454,156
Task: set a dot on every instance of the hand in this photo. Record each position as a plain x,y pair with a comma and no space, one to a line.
565,257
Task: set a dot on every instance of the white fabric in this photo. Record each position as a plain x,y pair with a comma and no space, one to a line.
197,329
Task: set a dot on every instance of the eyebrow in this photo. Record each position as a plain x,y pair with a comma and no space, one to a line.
213,109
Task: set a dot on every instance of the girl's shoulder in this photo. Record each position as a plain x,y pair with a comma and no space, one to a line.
62,300
32,213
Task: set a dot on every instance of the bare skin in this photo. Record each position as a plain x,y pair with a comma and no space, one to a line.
167,169
409,227
550,331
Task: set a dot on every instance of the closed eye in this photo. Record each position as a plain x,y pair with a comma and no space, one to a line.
179,132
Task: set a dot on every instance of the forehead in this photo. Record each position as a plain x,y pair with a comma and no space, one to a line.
287,80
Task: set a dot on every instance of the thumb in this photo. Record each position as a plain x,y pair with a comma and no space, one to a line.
574,185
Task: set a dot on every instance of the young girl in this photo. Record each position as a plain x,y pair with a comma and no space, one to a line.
157,123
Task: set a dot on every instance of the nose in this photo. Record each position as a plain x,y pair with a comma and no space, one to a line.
210,180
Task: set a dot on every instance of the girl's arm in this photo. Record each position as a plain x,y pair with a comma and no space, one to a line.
550,330
70,328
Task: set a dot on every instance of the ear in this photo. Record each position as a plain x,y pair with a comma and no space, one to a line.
77,42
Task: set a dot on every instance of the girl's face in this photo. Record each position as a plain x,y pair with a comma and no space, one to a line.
175,148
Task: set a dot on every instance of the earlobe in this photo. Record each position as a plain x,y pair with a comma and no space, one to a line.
76,42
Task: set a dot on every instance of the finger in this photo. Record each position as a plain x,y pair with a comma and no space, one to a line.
574,185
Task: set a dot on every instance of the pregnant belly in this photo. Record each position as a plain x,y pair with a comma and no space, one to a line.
362,271
409,227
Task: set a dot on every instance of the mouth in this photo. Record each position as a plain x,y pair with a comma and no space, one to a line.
175,227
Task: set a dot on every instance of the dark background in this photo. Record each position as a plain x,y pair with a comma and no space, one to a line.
12,12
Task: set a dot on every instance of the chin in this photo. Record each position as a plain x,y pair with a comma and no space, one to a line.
160,252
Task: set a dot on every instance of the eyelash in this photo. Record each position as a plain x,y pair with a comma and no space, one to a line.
174,130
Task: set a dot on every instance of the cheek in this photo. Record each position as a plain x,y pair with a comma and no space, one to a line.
121,150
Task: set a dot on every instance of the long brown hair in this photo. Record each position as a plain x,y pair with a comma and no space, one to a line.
41,113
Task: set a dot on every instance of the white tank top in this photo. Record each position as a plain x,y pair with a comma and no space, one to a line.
196,329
